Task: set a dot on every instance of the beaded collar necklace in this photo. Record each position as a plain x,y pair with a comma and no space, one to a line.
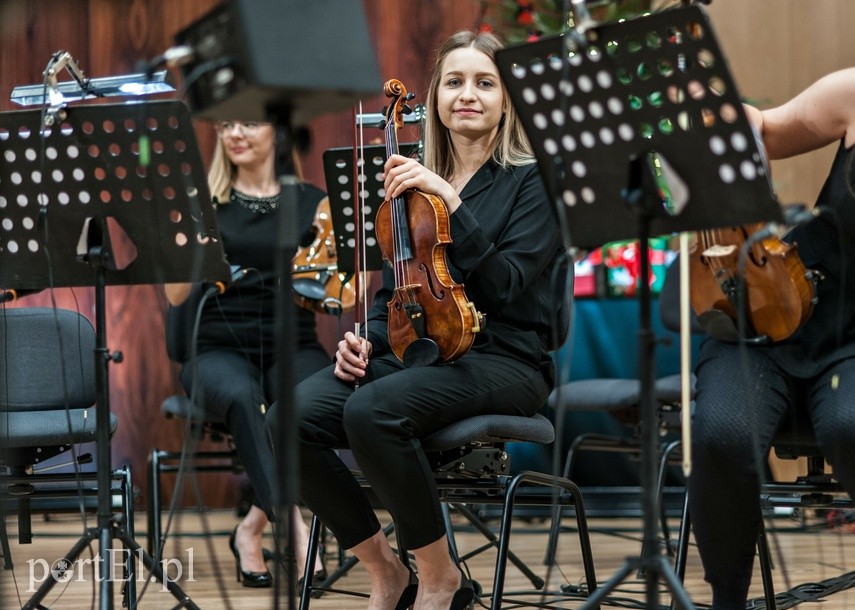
261,205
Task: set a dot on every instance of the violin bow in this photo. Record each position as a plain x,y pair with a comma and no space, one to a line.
359,251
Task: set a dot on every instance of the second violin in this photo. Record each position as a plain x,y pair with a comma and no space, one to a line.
318,285
779,291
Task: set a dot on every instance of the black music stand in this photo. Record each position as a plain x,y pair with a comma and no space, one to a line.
340,178
639,130
111,195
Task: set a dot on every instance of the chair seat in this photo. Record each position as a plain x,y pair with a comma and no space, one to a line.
50,427
669,390
596,395
614,394
491,428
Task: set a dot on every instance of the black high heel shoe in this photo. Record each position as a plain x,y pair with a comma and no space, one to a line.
464,597
256,580
408,595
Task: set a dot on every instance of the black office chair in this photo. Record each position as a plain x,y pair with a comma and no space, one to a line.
47,408
472,467
621,399
203,423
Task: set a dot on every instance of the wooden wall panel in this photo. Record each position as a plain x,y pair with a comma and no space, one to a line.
778,48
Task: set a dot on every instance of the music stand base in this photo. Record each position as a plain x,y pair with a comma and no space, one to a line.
655,568
134,550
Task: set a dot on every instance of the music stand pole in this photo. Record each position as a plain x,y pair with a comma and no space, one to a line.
285,441
643,198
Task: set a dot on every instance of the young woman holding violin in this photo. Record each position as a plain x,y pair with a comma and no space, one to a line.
743,392
505,245
235,367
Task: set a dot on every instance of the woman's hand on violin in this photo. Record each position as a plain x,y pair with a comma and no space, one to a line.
351,359
403,173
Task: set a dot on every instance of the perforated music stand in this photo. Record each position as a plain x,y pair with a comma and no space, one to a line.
80,206
639,130
340,179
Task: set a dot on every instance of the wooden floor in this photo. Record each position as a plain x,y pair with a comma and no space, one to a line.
811,554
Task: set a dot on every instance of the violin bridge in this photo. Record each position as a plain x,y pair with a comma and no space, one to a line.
719,251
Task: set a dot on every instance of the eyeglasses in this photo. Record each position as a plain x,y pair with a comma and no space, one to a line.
247,128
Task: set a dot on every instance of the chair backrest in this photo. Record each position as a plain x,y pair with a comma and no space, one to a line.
49,359
669,300
795,437
564,297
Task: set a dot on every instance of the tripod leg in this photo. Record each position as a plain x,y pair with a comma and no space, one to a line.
156,570
681,598
88,537
610,585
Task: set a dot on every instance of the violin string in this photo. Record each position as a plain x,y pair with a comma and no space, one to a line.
395,209
358,229
363,241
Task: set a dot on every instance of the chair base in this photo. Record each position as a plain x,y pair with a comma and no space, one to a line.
506,491
168,462
61,492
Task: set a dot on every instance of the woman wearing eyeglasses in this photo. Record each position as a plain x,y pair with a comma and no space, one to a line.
235,365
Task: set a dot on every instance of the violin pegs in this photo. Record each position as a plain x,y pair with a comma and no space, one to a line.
407,109
410,96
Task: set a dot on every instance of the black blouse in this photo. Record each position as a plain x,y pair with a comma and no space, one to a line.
506,242
243,317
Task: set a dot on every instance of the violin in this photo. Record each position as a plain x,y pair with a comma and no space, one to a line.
780,292
430,319
318,286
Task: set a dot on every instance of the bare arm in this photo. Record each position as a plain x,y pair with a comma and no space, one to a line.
820,115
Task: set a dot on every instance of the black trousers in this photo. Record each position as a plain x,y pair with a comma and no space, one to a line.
234,387
382,422
740,401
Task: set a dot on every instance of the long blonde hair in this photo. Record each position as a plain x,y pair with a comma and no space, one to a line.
511,145
222,172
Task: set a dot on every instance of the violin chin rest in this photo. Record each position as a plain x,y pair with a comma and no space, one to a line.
719,325
421,352
310,289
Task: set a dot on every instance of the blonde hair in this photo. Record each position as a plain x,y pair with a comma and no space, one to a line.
222,172
511,146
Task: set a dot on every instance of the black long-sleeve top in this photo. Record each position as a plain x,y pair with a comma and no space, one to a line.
243,317
506,242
